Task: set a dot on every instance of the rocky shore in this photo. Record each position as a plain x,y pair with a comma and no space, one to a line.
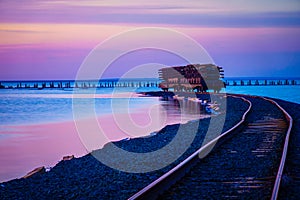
86,177
244,166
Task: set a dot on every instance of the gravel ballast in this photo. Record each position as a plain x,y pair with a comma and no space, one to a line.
244,166
86,177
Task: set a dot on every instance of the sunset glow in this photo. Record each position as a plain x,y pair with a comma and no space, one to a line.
50,39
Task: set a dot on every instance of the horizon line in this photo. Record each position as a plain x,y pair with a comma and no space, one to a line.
111,78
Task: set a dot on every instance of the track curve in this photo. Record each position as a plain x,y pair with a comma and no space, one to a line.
246,163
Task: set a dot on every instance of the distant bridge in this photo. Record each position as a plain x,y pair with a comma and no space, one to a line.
83,84
115,83
262,82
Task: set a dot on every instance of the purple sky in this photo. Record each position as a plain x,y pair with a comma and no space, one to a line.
50,39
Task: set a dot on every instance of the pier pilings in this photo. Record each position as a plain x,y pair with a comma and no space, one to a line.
132,83
261,82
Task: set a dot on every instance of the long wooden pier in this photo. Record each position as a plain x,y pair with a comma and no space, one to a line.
138,83
261,82
84,84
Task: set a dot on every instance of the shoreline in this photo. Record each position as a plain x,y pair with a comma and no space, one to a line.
92,172
92,168
64,136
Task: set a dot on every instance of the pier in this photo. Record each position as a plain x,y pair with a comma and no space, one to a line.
83,84
135,83
262,82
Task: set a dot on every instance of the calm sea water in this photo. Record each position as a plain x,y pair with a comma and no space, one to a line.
289,93
33,121
31,106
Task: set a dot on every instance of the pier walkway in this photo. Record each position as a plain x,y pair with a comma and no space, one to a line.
135,83
261,82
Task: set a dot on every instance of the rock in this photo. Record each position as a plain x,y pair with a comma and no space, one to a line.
68,157
39,170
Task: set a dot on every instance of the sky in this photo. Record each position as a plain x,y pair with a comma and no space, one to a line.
43,39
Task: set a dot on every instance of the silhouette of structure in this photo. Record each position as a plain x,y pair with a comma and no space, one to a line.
192,77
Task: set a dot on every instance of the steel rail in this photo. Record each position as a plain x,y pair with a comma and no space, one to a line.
284,152
155,188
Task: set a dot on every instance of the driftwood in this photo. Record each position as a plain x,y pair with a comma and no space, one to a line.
39,170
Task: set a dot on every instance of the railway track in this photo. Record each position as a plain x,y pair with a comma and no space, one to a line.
246,162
